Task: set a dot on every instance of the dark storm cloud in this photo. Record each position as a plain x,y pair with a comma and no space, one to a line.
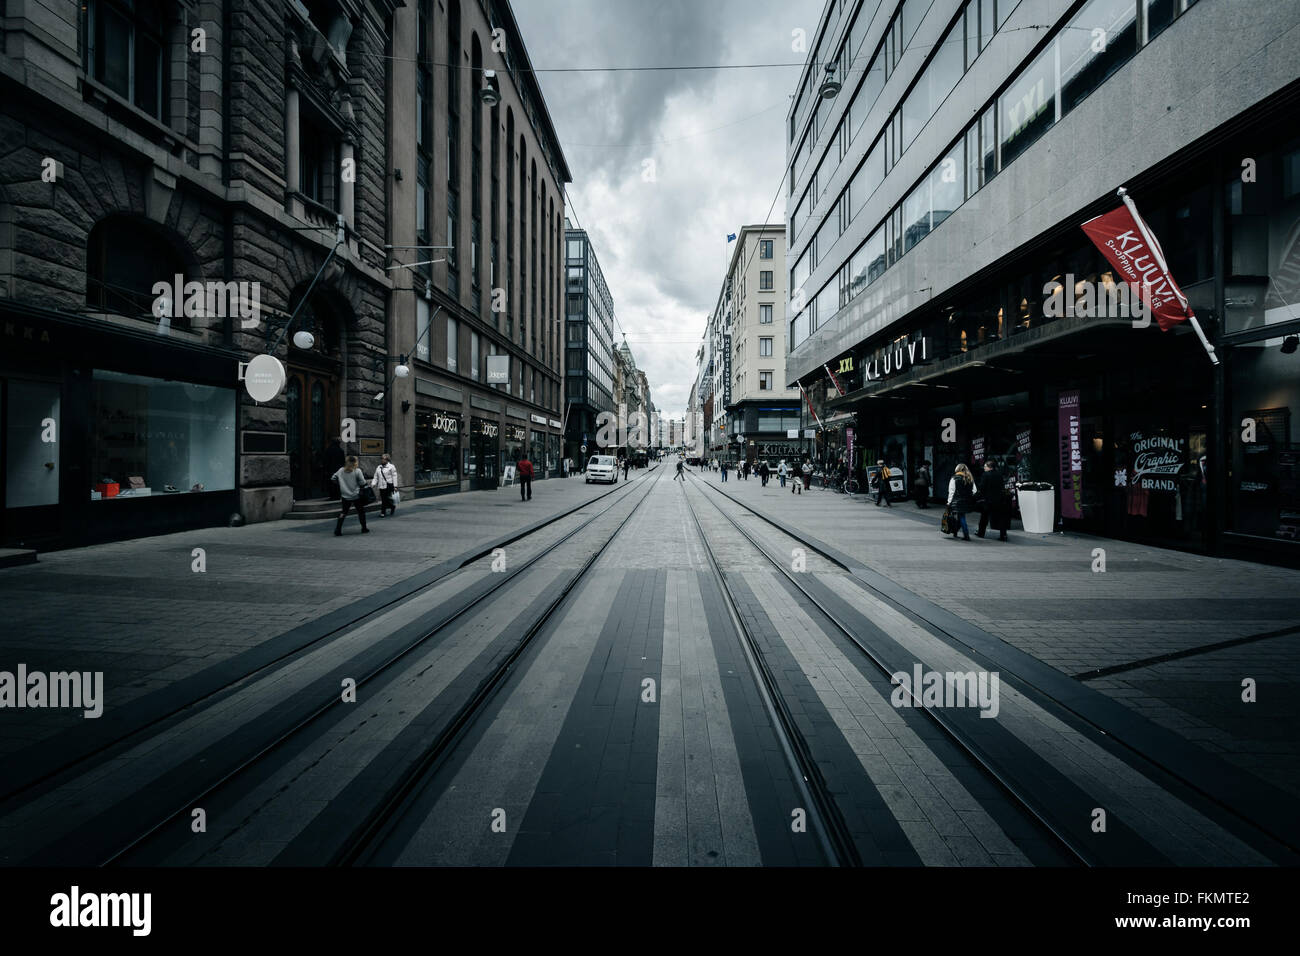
715,138
608,112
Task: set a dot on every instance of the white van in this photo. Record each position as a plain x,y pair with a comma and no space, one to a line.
602,468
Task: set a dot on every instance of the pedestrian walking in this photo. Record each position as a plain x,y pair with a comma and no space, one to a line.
564,468
525,472
807,475
921,485
763,473
961,499
333,460
781,472
796,481
994,502
723,468
385,481
352,487
882,484
626,463
681,472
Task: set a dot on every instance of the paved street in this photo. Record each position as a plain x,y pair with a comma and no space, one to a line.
593,693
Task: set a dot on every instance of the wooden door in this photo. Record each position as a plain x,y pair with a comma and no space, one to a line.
311,420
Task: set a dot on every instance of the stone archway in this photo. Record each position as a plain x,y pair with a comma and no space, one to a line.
314,390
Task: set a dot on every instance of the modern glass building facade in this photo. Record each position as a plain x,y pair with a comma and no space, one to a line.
589,345
934,211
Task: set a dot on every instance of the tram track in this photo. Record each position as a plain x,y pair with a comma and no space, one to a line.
114,833
1021,782
75,749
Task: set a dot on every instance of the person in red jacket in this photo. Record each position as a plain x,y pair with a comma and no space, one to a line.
525,470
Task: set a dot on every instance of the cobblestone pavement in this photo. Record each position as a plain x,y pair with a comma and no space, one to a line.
137,610
633,730
1040,594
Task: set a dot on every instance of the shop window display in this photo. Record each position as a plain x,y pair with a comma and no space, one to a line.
153,436
437,446
1265,476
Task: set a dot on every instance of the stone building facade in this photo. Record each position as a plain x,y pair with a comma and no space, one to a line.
147,147
477,255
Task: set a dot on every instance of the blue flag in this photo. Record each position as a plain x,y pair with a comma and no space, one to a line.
731,237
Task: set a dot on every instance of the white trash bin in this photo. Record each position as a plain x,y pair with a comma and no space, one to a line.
1037,510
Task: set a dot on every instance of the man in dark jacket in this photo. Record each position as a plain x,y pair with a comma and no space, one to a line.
995,505
525,472
333,460
921,485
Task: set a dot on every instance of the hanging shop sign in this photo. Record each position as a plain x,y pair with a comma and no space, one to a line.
726,365
498,369
894,358
1069,427
264,378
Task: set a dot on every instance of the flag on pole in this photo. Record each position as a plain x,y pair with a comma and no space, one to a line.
1129,245
808,399
838,387
731,237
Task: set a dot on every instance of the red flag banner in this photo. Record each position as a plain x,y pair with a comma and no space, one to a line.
1123,241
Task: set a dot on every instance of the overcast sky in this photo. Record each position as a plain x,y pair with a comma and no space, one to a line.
714,137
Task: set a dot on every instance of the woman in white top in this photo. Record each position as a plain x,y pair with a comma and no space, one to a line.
781,472
386,482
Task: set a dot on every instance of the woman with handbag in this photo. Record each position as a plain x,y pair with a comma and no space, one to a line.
385,482
355,492
961,499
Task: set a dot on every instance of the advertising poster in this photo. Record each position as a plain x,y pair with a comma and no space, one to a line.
1071,455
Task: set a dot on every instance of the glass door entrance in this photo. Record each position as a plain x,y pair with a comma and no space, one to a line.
30,472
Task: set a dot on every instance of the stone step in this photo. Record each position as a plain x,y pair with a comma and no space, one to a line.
13,557
314,508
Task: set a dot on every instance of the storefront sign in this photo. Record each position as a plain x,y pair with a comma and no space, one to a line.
1157,460
848,442
1071,455
498,369
372,446
895,358
487,429
516,433
537,419
726,366
977,451
555,424
264,378
442,422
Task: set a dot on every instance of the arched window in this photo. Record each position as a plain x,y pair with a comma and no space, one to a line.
125,258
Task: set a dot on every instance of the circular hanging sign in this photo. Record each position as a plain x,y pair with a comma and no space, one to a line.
264,378
584,448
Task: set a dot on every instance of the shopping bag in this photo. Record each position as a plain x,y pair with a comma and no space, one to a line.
947,523
397,497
